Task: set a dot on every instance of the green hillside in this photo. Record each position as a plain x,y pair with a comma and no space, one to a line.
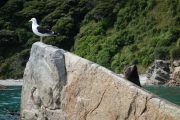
113,33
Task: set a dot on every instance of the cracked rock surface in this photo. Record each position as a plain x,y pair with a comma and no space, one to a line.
61,86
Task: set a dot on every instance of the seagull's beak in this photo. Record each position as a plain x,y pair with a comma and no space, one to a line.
30,20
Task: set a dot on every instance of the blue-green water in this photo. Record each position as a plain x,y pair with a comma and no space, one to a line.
10,103
171,94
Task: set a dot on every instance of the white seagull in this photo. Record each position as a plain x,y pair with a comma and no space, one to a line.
39,30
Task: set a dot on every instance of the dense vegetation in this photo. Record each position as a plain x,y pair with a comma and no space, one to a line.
113,33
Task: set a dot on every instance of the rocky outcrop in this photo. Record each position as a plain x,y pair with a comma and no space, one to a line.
175,78
176,63
61,86
159,72
44,78
176,74
131,73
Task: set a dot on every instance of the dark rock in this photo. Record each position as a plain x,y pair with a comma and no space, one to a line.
131,73
2,87
12,112
159,72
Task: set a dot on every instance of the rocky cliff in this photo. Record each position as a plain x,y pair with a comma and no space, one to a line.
159,72
175,77
61,86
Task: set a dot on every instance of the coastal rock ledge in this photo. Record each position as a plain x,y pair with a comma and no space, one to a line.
59,85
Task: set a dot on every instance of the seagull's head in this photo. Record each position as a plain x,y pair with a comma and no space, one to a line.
33,20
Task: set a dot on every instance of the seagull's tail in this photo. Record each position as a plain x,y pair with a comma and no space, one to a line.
55,33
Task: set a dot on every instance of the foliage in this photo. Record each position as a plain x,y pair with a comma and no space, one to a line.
8,39
137,34
63,16
113,33
175,53
178,43
161,53
13,67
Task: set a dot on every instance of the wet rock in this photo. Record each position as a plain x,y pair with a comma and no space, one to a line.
2,87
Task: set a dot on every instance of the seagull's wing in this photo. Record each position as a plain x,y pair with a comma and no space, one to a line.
44,30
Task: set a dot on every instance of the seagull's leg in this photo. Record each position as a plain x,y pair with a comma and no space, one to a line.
40,38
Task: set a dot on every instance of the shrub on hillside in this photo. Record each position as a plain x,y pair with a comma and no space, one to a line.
8,38
32,9
9,42
100,12
175,53
88,47
10,7
178,42
104,57
161,53
65,26
13,67
166,38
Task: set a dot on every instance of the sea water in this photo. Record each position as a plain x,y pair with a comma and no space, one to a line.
10,103
171,94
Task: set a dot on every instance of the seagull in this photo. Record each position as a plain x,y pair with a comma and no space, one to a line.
39,30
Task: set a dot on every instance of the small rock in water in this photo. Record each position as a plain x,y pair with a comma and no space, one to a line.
2,87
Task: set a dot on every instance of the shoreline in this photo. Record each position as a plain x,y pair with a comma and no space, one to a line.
11,82
142,78
19,82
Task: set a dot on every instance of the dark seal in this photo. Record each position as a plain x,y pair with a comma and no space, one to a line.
131,73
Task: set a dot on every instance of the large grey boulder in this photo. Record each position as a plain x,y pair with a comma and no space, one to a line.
61,86
159,72
44,78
